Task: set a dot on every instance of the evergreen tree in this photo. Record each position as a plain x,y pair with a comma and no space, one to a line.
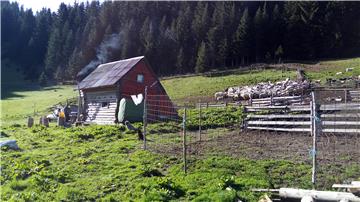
243,37
279,53
202,59
180,61
53,56
176,35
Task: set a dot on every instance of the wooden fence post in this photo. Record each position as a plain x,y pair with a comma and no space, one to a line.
315,124
45,121
30,122
145,117
345,96
184,140
200,121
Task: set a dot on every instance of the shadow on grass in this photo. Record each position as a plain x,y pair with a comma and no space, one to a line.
9,91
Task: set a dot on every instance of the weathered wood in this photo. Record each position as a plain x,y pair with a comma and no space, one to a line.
145,115
337,115
342,123
200,123
61,121
30,122
100,104
315,128
45,121
276,98
280,129
277,101
101,110
319,195
289,108
340,130
287,123
184,140
278,116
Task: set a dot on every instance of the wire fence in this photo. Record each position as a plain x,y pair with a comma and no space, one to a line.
321,132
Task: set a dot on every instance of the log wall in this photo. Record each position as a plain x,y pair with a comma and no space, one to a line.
100,107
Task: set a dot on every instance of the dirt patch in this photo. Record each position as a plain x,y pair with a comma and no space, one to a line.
339,149
332,149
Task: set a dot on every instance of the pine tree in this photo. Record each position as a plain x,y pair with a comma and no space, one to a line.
53,53
180,61
259,34
243,37
223,51
43,80
279,53
202,60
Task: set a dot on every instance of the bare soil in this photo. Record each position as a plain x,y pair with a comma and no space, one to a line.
338,149
332,149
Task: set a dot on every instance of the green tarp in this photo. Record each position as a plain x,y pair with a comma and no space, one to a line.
128,111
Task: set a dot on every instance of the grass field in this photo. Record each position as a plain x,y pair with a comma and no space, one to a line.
106,163
328,69
21,98
203,86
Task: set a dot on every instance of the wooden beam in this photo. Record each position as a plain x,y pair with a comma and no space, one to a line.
287,193
336,115
338,130
289,108
278,116
343,123
287,123
280,129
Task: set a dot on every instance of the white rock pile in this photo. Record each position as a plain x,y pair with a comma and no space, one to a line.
265,89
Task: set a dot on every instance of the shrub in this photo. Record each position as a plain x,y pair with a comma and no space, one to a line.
18,185
95,132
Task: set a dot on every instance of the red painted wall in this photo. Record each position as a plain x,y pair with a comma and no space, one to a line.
158,104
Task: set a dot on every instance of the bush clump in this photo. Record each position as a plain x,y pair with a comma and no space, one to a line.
95,131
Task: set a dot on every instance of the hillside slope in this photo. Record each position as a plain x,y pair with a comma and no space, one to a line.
23,97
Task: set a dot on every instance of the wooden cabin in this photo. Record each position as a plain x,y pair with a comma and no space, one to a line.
109,83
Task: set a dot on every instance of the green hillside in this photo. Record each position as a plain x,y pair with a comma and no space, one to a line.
107,163
20,98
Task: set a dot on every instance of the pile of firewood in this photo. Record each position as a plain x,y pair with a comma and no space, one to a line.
265,89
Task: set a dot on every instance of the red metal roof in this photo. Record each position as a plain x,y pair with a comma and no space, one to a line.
108,74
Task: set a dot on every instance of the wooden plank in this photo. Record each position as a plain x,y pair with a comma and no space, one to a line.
288,108
340,108
276,98
99,104
102,112
279,102
287,123
276,116
280,129
337,115
342,104
340,123
340,130
101,109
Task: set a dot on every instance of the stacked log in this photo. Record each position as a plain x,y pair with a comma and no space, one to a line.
265,89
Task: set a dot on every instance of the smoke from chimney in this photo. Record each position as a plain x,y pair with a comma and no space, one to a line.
110,42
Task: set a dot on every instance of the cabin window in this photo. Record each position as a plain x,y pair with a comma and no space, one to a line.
105,104
140,78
